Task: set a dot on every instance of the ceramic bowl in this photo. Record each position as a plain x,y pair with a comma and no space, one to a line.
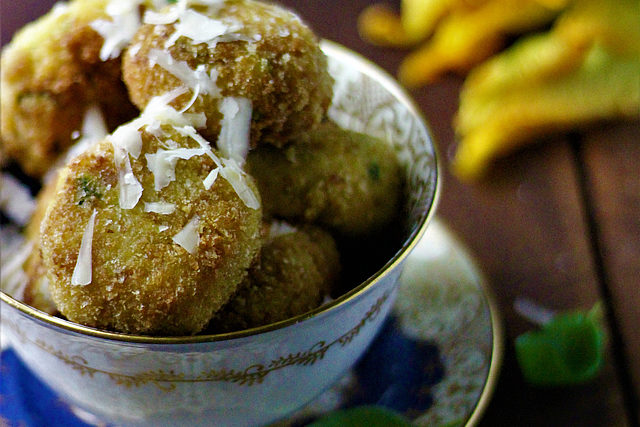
257,376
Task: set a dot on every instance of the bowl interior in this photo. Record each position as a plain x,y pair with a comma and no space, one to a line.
366,100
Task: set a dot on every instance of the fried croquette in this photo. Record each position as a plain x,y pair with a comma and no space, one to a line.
144,241
294,274
51,72
36,290
245,49
347,181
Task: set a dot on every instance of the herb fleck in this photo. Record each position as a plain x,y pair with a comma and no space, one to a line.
374,171
87,188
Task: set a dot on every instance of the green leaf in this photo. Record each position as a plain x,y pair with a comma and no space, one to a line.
363,416
567,350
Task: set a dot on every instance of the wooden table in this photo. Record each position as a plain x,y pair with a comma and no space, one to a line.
558,223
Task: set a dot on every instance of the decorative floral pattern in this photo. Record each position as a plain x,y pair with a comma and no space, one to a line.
160,381
433,357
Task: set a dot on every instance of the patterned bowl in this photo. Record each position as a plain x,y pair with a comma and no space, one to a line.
260,375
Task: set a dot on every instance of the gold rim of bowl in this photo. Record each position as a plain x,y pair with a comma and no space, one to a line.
366,67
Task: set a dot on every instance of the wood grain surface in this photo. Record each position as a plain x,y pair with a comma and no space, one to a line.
545,224
557,223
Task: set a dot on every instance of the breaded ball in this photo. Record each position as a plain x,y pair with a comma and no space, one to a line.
51,73
36,290
149,250
294,274
347,181
237,48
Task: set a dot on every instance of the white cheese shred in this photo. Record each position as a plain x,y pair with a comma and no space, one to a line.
162,208
117,32
233,140
163,164
82,271
196,80
93,123
197,27
130,189
211,178
237,178
188,237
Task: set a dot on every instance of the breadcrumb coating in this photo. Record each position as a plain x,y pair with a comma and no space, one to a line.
144,279
294,274
268,55
51,73
347,181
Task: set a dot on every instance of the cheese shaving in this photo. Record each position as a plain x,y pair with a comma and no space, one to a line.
189,237
130,189
190,132
163,208
197,80
233,140
82,271
117,32
158,112
94,126
197,27
234,174
211,178
127,138
163,164
161,18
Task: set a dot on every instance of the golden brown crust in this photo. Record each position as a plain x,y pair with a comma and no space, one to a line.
294,274
51,73
142,281
347,181
281,69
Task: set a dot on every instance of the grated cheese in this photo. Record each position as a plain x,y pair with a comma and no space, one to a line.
163,208
197,27
82,271
233,140
117,32
232,172
94,126
130,189
162,164
161,18
197,80
211,178
158,112
127,138
190,132
189,237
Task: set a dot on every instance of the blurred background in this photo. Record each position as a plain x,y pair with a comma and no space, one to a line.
551,210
